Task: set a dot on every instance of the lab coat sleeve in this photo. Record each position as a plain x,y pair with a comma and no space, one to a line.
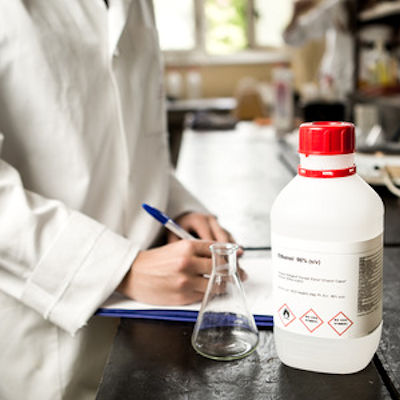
314,24
59,262
181,200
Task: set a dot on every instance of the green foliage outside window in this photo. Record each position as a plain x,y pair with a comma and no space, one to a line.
226,26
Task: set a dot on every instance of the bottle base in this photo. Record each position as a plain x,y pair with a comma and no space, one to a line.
331,356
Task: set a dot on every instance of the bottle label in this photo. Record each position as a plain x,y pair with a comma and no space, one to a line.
327,290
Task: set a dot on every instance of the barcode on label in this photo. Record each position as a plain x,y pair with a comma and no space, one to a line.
370,282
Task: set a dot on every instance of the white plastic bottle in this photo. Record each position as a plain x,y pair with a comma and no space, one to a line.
327,229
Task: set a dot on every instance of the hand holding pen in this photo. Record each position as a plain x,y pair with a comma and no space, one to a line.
181,233
173,274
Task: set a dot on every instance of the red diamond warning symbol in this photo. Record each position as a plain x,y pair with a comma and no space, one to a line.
340,323
286,315
311,320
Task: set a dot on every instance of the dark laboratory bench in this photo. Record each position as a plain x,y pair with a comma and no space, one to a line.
155,360
179,110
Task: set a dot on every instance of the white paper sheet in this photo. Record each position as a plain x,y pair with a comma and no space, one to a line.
257,289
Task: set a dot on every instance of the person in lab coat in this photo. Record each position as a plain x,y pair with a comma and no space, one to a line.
334,21
82,146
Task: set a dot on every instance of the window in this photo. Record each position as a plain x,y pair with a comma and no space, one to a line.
221,27
270,19
226,26
176,24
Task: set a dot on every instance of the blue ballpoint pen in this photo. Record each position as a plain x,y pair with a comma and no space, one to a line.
167,222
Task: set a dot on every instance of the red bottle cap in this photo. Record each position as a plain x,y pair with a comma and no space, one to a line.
326,138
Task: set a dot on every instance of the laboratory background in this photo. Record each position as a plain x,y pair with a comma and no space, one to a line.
281,63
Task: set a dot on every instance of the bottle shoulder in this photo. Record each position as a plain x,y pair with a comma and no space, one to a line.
331,190
317,205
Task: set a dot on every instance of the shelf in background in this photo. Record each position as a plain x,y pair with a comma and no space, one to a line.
392,100
379,11
212,104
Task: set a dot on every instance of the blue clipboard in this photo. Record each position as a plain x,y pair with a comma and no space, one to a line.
171,315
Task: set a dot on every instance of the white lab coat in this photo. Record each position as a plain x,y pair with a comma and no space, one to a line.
329,19
83,145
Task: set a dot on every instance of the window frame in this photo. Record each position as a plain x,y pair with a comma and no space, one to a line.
254,54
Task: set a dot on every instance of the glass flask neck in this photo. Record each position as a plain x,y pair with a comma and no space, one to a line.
224,258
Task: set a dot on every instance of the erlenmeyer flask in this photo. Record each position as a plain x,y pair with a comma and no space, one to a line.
224,330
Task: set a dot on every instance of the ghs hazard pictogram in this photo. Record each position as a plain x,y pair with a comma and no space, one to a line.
286,315
340,323
311,320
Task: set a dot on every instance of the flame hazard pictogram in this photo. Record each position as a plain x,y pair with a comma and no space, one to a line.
340,323
286,315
